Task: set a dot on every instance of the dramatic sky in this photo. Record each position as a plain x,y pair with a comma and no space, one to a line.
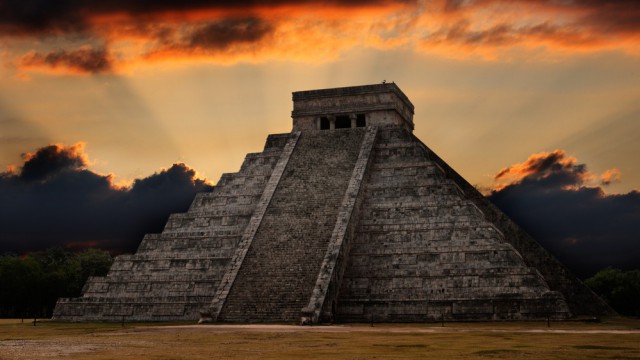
115,97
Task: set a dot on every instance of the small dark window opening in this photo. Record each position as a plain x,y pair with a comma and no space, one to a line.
361,120
343,122
324,123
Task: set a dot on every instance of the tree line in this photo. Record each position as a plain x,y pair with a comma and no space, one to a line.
620,289
31,284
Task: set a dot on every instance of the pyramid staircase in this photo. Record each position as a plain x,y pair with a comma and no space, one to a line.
280,270
338,223
424,252
173,275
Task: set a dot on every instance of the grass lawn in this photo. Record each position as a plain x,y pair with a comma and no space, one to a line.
617,338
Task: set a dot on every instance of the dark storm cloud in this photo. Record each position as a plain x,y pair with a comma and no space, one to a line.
621,16
39,17
221,34
46,16
54,200
50,160
91,61
583,226
134,31
554,169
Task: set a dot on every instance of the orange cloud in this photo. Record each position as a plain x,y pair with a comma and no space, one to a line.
493,29
311,31
611,176
555,168
536,163
227,35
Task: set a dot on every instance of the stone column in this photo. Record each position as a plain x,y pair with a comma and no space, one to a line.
332,122
353,118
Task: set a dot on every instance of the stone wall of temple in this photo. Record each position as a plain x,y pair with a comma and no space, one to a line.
423,252
580,299
383,104
173,275
359,222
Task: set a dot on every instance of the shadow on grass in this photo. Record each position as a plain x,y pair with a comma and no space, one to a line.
599,347
403,345
494,352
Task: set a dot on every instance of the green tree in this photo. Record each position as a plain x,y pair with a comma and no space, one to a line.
91,262
20,279
59,272
31,284
621,289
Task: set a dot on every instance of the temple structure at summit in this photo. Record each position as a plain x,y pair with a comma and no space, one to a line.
348,218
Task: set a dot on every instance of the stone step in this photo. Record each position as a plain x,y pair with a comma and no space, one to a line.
420,237
280,269
184,264
201,245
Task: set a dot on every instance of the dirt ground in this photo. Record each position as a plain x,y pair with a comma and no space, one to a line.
611,339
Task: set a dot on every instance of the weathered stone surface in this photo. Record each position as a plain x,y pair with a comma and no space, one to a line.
348,218
213,312
173,275
580,299
325,293
423,251
279,272
380,105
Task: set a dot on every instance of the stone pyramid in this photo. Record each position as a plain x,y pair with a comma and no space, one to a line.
349,218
